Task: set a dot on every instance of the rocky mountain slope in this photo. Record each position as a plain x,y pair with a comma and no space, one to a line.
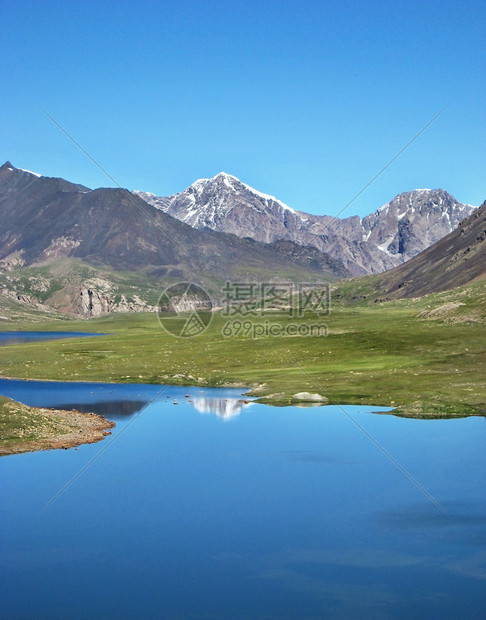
396,232
91,251
457,259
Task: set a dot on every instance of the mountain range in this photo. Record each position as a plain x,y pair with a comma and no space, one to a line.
91,251
66,247
390,236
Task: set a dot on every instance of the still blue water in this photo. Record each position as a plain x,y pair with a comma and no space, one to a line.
24,336
216,509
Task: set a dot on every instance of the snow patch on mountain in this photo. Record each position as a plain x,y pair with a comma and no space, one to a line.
36,174
268,197
384,246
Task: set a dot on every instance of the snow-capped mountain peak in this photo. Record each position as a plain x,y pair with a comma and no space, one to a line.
394,233
413,221
8,166
232,183
223,203
222,180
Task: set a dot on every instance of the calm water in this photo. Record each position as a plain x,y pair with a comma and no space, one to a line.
215,509
22,337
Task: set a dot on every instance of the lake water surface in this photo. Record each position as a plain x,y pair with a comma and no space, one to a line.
20,337
216,509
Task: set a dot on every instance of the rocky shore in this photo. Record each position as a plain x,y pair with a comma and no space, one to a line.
28,429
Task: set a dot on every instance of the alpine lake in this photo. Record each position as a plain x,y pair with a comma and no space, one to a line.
204,504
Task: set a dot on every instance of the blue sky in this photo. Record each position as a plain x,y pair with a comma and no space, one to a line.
303,100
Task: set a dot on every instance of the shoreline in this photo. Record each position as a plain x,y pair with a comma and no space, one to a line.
31,429
424,410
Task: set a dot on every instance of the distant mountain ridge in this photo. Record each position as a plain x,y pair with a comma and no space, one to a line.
455,260
97,250
396,232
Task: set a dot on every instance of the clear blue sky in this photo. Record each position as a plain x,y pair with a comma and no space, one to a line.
303,100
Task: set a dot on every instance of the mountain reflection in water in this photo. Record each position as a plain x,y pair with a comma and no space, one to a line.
222,407
120,401
111,409
280,513
120,409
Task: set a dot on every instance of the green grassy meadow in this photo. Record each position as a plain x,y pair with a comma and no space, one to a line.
425,356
